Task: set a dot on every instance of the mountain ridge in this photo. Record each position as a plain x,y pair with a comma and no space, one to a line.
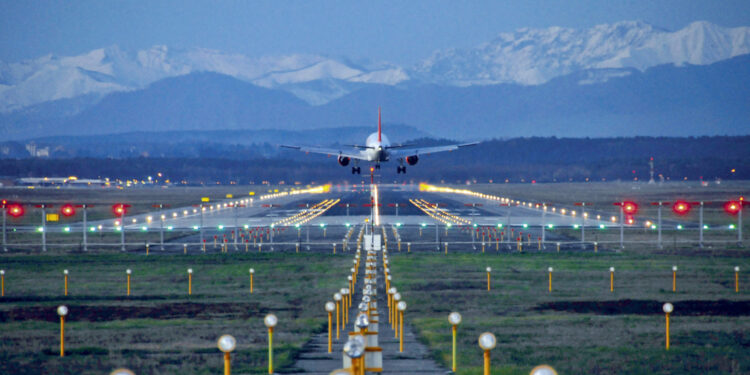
526,56
665,100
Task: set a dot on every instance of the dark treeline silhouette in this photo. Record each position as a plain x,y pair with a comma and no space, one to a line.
515,160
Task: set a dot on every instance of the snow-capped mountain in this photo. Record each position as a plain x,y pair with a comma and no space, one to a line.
110,69
526,56
534,56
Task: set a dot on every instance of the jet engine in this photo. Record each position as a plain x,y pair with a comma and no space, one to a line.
344,160
412,160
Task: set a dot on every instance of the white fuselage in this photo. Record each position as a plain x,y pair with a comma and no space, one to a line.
376,151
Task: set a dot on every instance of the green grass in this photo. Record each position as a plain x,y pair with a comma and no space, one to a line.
105,329
575,342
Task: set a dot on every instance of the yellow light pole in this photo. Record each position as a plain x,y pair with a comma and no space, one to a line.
550,270
128,272
401,308
543,370
489,269
391,292
736,279
65,275
270,321
190,281
668,308
611,279
487,342
408,247
674,278
2,281
394,303
330,306
351,284
337,299
345,304
121,371
62,310
455,319
226,344
355,349
252,281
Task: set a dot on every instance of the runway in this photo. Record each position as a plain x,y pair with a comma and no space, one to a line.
353,206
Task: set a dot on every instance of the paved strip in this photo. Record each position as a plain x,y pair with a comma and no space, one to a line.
415,359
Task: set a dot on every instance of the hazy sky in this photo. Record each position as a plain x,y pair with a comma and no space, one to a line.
402,32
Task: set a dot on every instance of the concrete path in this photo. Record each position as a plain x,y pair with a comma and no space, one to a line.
415,359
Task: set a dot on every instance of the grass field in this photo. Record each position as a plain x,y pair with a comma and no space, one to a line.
160,329
581,327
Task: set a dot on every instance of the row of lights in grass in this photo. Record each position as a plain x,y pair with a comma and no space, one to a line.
649,225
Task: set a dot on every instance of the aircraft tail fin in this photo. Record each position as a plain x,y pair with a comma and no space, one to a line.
379,127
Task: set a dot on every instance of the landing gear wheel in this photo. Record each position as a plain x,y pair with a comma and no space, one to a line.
401,169
356,170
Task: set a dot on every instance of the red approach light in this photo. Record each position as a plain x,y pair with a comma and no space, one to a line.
732,207
629,208
15,210
681,207
120,209
68,210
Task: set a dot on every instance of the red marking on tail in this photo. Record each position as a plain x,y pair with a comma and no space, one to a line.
379,126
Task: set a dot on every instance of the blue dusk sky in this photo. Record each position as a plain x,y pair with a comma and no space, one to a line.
402,32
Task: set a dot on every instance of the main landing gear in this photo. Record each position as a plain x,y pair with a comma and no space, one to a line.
401,169
356,170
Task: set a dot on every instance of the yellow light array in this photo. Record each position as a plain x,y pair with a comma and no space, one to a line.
308,214
427,211
316,190
437,213
300,215
444,212
440,189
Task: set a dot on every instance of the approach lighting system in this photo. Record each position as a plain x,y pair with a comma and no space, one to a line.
681,208
629,208
15,210
68,210
732,207
120,209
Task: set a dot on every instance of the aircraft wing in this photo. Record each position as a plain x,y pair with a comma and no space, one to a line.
429,150
327,151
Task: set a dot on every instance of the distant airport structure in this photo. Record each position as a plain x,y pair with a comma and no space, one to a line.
71,181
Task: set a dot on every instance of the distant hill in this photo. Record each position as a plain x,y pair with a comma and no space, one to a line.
225,143
620,79
517,160
527,56
662,101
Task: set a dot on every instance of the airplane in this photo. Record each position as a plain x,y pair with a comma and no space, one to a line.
378,149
